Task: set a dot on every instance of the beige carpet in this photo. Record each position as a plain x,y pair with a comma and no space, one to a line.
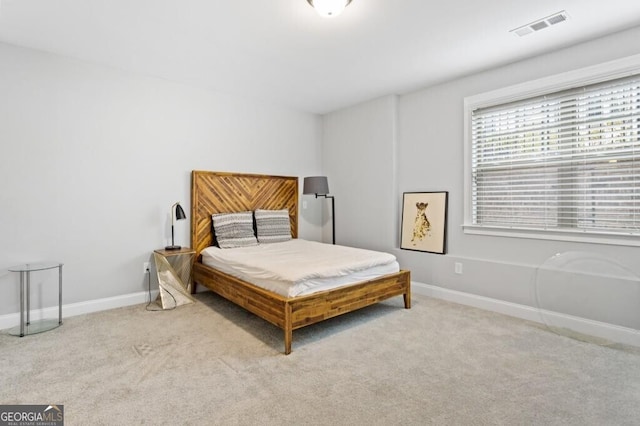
213,363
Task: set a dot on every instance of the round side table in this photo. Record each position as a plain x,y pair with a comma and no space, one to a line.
38,326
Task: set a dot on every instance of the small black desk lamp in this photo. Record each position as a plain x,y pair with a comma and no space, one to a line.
319,186
179,215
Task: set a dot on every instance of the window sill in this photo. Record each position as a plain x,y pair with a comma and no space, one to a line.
555,235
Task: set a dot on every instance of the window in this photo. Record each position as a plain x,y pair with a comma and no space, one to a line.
558,163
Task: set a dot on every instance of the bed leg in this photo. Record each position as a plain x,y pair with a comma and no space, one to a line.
287,342
407,293
288,332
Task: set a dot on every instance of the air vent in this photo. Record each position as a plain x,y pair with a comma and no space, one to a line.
556,19
541,24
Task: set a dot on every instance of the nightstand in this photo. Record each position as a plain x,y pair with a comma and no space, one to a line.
173,268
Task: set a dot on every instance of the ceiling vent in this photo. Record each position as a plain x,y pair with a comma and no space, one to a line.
541,24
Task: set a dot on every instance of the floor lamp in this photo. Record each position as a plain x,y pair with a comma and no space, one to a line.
319,186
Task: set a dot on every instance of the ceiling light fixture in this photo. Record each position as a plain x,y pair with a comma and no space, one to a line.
329,8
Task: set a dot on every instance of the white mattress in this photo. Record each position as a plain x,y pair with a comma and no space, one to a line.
300,267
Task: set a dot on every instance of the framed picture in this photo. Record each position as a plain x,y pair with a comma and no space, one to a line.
424,221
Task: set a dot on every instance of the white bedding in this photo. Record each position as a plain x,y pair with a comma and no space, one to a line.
300,267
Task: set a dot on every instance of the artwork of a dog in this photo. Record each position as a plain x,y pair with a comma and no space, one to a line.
422,224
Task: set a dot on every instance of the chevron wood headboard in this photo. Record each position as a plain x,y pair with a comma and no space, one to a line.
221,192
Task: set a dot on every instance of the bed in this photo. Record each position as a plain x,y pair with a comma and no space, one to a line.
221,192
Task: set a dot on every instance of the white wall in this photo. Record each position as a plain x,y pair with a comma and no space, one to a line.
429,150
92,159
358,151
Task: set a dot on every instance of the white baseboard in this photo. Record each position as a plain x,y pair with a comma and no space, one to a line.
609,332
73,309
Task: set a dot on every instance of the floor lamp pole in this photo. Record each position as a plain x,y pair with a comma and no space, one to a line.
333,216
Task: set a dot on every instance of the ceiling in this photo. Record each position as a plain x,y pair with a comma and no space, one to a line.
281,51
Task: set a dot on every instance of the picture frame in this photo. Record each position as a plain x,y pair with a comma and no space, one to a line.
424,221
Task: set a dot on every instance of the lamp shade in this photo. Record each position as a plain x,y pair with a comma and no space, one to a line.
316,185
180,212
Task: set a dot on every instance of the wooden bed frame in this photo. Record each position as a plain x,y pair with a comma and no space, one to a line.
218,192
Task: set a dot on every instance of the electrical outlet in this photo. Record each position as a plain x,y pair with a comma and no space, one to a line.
458,267
145,267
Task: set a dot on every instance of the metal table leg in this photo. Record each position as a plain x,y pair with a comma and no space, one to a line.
22,283
60,294
28,298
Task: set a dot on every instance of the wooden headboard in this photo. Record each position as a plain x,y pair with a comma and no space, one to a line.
221,192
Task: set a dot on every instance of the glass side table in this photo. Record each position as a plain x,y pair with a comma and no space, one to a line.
25,286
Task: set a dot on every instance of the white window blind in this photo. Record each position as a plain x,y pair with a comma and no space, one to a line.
565,161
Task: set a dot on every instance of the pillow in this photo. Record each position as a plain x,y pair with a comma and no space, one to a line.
273,226
234,229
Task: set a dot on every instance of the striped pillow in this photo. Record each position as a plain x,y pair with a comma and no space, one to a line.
234,229
273,226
